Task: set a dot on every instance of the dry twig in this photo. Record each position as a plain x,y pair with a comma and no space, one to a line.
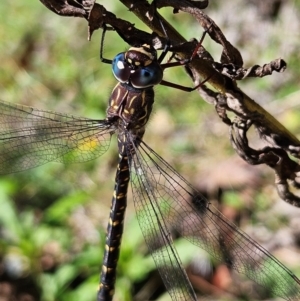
222,76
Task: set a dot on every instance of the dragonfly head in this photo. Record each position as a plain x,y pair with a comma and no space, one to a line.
138,67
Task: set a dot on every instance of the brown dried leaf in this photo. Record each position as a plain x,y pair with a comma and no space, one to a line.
230,70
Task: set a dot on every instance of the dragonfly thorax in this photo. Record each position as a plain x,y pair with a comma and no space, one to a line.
138,67
132,105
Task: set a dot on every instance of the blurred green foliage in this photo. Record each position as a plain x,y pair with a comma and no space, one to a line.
53,218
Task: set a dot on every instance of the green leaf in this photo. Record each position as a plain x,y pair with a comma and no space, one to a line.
61,209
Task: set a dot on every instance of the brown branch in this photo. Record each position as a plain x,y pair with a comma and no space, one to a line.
236,100
69,8
227,95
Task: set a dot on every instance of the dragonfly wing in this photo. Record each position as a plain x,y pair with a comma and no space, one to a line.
31,137
157,236
164,199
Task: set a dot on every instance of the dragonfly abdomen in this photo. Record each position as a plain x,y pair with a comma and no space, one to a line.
114,231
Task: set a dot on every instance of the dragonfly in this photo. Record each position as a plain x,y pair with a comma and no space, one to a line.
164,200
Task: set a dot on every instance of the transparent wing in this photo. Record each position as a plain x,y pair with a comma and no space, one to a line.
31,137
148,201
164,200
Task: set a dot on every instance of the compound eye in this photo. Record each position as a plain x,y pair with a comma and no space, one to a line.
120,68
148,76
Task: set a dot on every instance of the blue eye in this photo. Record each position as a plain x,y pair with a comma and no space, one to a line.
120,68
148,76
138,76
